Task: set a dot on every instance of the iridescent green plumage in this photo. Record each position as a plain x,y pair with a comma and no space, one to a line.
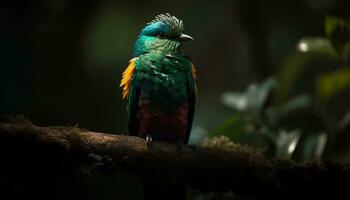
165,77
161,96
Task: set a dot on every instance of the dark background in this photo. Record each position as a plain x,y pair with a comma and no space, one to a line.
61,63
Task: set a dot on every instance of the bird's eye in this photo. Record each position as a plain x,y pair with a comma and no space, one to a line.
160,35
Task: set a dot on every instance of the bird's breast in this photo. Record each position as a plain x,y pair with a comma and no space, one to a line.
163,88
161,124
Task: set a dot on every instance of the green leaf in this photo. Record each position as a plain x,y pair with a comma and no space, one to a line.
274,114
252,99
257,94
234,128
198,134
313,146
286,143
295,103
330,84
338,32
316,45
345,121
235,100
299,71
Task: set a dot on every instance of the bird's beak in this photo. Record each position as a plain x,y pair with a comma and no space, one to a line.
184,37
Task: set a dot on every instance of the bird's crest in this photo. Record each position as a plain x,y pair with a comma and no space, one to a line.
176,24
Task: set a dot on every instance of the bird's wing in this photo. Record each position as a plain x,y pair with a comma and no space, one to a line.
192,95
131,94
133,123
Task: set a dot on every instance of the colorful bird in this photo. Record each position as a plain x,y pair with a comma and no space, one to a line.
160,83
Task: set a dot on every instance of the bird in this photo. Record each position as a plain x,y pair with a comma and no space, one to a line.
160,87
159,84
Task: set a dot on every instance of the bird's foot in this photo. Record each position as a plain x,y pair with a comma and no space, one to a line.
179,144
149,140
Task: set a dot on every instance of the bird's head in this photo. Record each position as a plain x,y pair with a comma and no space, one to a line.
164,33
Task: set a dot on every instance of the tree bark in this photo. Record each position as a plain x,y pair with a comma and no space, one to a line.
213,167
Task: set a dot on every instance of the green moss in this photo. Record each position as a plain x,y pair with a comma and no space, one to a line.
223,143
219,142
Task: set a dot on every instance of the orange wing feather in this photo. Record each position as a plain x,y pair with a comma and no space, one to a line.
126,78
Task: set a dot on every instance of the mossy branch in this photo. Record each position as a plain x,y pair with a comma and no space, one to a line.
211,167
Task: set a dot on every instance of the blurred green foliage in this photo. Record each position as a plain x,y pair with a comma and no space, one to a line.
337,31
330,84
297,114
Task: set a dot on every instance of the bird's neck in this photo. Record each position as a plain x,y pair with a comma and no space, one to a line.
145,44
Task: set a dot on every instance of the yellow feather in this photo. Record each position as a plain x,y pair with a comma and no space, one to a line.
126,78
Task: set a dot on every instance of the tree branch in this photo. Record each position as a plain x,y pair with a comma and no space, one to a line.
214,167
